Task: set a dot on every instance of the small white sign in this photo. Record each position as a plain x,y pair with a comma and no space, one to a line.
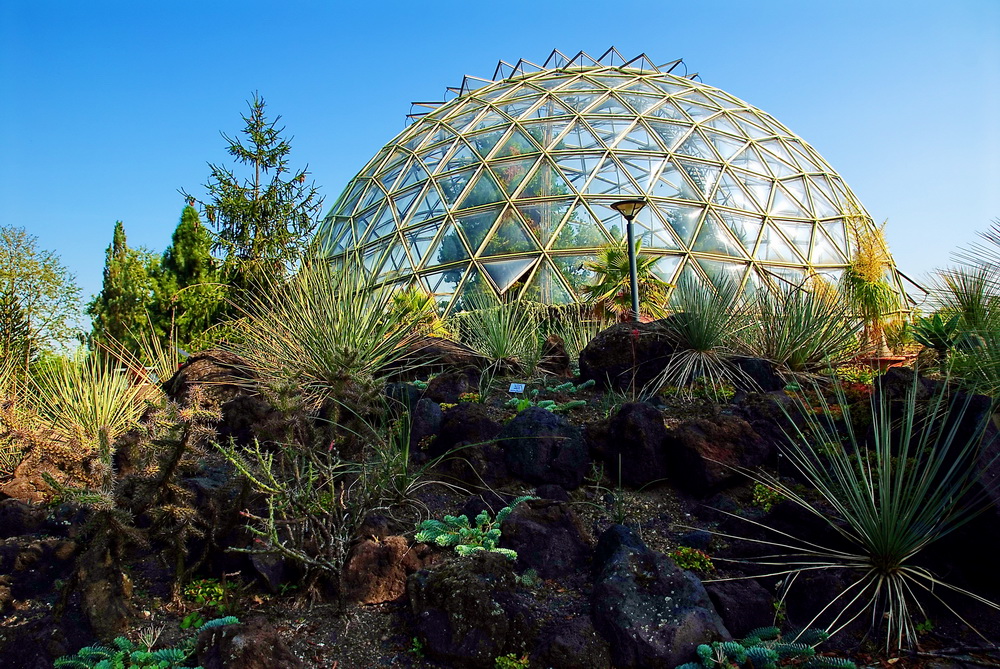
516,388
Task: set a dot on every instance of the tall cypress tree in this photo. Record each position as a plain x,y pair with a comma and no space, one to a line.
190,294
121,310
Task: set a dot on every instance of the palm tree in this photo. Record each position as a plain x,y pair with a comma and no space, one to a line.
612,294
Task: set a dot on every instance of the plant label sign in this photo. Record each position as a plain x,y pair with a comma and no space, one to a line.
516,388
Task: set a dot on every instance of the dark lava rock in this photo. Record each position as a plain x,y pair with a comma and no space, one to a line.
571,644
653,613
541,447
425,422
428,355
699,539
403,395
634,439
376,570
36,564
555,360
17,518
756,375
548,537
490,501
36,640
626,355
553,492
703,452
216,376
449,386
743,605
273,570
253,645
464,610
466,423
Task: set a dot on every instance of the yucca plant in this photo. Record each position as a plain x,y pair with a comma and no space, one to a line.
864,283
611,293
800,330
914,482
505,332
328,327
704,330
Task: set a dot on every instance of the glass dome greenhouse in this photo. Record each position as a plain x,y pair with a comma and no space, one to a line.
507,186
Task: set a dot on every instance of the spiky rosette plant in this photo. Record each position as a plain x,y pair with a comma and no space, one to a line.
468,537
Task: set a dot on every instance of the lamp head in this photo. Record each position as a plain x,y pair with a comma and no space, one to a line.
629,208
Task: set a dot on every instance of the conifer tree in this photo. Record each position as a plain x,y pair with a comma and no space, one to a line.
263,221
191,296
16,345
121,310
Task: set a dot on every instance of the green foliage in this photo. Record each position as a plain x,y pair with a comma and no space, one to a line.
264,221
469,537
570,388
190,297
856,374
942,335
417,648
45,292
610,293
765,497
511,661
16,340
766,648
505,332
686,557
519,404
887,513
125,654
530,579
120,310
863,283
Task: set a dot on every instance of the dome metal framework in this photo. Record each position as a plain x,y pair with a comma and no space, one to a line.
507,186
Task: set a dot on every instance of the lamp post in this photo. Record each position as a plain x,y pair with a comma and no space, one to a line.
630,209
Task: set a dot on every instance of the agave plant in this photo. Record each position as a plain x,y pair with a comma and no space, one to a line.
505,332
911,484
611,294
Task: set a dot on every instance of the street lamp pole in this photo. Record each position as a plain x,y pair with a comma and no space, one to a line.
630,209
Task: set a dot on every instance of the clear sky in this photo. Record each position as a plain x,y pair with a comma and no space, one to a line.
108,108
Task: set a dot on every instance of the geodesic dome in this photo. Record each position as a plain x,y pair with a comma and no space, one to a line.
507,186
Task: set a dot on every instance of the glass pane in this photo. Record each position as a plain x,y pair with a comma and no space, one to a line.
715,238
729,194
825,251
783,205
443,285
448,249
609,129
723,123
545,182
475,227
512,172
726,146
404,201
642,170
547,288
580,231
773,247
516,109
668,111
429,206
509,237
463,156
419,242
682,219
415,173
517,144
545,133
640,103
578,137
488,121
551,107
638,139
579,102
576,168
666,267
452,185
611,106
543,218
749,159
611,180
574,271
507,272
800,234
482,143
745,228
721,273
822,206
696,147
702,176
672,183
758,188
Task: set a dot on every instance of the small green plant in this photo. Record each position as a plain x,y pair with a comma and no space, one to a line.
208,593
417,648
767,648
421,385
125,654
511,661
519,404
468,538
530,579
925,627
765,497
691,558
570,388
856,373
470,397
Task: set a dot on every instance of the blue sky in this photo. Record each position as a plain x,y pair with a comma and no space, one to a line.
108,108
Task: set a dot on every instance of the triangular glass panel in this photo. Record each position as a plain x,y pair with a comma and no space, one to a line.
673,183
494,92
644,88
782,204
544,133
702,176
668,111
796,187
516,109
387,179
581,84
475,227
725,100
551,83
801,155
669,87
545,182
696,147
511,173
490,120
452,185
576,168
611,81
348,203
822,205
759,189
372,195
429,206
441,134
509,237
547,288
723,273
432,157
418,242
643,170
835,230
463,156
690,275
483,191
578,137
725,145
521,91
752,130
449,248
682,219
374,223
653,232
725,124
377,164
506,273
551,107
746,229
714,238
666,267
517,144
669,133
573,270
611,106
800,234
397,263
484,142
543,218
580,231
579,102
776,148
697,112
403,201
773,247
375,256
638,139
609,129
415,173
640,103
824,251
729,194
786,276
417,139
442,285
611,180
460,122
750,160
699,97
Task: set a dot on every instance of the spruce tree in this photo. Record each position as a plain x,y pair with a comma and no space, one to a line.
16,341
264,221
191,296
121,310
